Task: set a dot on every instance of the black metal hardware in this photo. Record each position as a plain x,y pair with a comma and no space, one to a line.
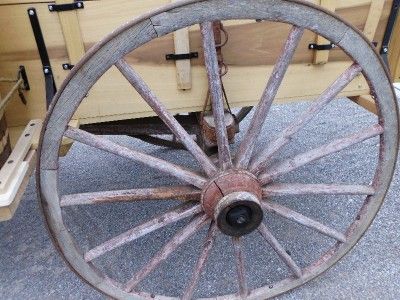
389,30
66,6
67,66
182,56
44,57
22,74
317,47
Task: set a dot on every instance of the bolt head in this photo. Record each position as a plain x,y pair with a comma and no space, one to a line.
312,46
385,50
31,12
51,7
46,71
79,4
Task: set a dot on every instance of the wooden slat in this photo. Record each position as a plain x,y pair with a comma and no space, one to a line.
183,67
321,57
367,102
9,201
394,52
72,33
18,154
375,13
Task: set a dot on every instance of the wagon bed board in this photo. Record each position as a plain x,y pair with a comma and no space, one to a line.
105,104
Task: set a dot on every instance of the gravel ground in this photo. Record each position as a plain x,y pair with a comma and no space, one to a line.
32,269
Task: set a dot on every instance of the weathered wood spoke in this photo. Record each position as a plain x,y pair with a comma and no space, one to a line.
240,269
217,98
273,242
284,189
167,250
247,145
151,99
172,216
262,159
137,156
201,263
185,193
303,220
317,153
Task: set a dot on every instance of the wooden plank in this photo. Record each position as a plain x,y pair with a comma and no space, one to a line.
14,195
66,143
375,13
107,102
183,67
394,52
367,102
321,57
72,33
18,154
241,93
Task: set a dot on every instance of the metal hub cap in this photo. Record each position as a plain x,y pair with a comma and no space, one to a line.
238,213
233,201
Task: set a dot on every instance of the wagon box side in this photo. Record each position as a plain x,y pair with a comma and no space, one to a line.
251,51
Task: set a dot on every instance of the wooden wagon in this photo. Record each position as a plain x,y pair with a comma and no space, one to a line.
193,85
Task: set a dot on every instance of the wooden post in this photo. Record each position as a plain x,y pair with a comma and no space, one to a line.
394,52
322,56
72,33
374,15
183,67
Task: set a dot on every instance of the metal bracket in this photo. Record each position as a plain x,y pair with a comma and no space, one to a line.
67,66
66,6
44,56
182,56
389,30
22,74
317,47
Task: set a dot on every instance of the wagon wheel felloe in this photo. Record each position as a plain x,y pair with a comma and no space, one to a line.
233,196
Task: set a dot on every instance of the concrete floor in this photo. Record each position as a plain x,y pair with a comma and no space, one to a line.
32,269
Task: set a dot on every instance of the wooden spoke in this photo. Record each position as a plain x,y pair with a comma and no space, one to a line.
273,242
241,272
317,153
151,99
262,109
283,189
201,263
148,160
172,216
167,250
217,100
262,159
185,193
303,220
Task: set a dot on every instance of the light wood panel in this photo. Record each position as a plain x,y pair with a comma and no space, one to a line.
252,47
72,33
240,92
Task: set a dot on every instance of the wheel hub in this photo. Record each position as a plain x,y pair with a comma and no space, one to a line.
233,201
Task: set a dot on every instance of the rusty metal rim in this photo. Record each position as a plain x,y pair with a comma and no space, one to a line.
329,258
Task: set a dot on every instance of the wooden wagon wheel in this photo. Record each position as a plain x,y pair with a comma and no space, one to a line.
235,193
